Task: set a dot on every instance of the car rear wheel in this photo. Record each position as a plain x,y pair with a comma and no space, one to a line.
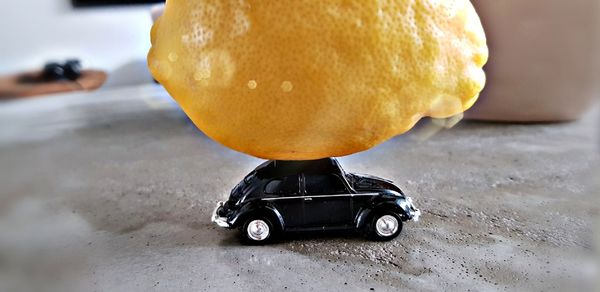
258,230
384,226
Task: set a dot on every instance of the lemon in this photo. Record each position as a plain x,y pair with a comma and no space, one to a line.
299,80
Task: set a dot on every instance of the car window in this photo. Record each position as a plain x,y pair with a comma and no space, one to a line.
283,186
324,185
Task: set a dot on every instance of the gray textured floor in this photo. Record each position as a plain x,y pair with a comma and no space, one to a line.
113,191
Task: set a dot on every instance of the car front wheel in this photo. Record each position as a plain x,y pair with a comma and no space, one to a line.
384,226
258,230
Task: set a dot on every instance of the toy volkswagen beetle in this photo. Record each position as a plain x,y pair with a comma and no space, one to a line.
280,196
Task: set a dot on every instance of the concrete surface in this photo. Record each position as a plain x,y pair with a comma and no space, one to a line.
112,192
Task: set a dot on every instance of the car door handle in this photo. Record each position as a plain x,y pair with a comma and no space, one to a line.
308,199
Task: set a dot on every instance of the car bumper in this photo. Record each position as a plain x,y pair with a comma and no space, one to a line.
413,212
220,221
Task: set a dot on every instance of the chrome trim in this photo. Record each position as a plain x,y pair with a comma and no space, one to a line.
282,198
416,213
322,196
220,221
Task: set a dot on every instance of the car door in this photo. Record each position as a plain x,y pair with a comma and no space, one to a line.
284,194
327,201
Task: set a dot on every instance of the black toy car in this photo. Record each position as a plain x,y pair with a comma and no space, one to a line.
313,195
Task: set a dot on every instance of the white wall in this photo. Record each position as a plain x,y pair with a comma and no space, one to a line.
115,39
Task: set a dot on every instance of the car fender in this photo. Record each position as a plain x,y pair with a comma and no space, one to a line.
379,204
257,207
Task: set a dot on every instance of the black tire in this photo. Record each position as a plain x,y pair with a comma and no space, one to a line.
373,232
258,222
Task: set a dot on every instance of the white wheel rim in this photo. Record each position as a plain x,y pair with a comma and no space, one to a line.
386,225
258,230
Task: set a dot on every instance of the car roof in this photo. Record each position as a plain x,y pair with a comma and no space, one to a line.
279,168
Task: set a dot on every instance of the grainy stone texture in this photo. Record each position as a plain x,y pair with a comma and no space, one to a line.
113,192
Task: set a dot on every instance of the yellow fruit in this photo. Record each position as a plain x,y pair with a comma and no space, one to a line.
293,79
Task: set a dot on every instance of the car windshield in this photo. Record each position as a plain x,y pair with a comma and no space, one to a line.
351,178
249,177
241,188
359,181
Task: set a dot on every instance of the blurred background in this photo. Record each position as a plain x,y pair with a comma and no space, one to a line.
541,51
111,38
104,182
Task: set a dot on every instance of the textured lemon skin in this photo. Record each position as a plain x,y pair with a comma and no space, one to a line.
298,80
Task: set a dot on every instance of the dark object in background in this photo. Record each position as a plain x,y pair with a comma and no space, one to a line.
314,195
51,72
70,70
84,3
54,78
